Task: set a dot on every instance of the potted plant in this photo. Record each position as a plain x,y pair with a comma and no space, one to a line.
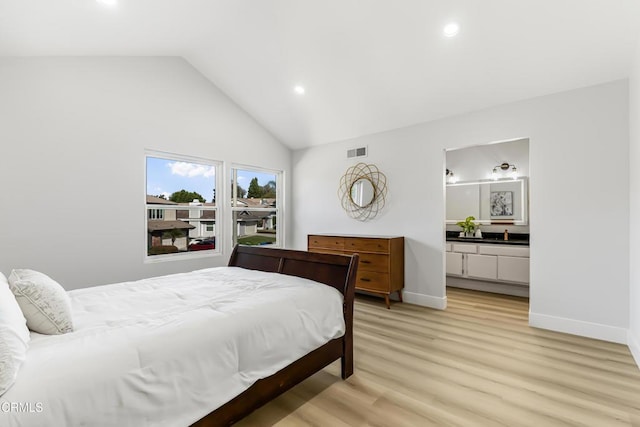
468,226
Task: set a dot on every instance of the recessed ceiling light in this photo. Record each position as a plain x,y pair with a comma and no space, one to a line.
110,3
299,90
451,29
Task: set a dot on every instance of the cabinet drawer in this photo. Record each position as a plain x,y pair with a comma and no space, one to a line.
482,266
366,245
465,248
327,242
372,281
374,262
503,250
513,269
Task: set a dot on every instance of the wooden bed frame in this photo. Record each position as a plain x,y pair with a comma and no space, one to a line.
338,271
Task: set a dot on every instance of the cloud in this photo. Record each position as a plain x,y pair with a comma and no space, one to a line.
157,191
191,169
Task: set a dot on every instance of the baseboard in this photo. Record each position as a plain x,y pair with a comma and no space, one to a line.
634,345
578,327
439,303
484,286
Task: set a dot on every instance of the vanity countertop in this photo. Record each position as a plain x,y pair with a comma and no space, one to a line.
491,238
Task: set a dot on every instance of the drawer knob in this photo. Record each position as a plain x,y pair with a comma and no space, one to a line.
364,279
365,261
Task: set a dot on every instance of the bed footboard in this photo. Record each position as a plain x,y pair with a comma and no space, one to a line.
338,271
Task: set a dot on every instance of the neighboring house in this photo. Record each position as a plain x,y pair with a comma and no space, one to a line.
161,221
202,220
251,221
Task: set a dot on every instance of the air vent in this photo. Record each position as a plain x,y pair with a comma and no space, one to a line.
357,152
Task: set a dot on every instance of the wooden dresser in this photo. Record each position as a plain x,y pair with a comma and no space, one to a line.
381,267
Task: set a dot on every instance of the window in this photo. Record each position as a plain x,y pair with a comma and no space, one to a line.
156,214
256,206
181,206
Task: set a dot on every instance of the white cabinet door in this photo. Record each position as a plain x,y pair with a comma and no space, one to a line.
513,269
454,263
482,266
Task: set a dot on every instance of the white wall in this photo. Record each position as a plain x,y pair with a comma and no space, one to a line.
73,133
579,201
634,226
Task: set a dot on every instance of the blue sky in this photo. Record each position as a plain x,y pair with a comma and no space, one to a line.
166,176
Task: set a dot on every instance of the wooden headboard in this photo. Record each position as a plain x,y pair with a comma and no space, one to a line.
338,271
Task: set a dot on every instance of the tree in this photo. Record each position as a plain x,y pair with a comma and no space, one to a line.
241,191
255,191
184,196
269,190
173,234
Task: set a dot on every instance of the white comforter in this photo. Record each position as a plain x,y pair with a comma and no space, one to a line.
167,351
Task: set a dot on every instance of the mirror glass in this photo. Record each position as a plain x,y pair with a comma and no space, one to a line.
490,202
362,192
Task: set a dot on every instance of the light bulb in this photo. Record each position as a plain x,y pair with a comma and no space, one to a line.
451,29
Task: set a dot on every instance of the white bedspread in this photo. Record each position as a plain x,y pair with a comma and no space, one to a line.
167,351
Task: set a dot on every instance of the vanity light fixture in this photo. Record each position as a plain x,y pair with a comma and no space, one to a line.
299,90
504,168
451,178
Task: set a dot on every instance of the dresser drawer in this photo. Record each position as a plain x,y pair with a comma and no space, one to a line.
326,251
366,245
374,262
372,281
327,242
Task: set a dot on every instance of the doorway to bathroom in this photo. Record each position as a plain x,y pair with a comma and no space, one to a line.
487,218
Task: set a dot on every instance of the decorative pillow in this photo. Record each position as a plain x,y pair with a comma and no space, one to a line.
14,336
44,303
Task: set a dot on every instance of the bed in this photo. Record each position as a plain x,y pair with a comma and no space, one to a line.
170,351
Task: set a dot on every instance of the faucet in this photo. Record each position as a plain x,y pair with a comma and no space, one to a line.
506,234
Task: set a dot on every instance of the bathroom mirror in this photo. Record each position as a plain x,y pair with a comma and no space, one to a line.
490,202
362,192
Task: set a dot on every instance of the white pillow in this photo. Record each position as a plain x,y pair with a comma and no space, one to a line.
44,303
14,336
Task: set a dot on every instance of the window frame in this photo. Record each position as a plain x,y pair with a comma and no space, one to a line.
220,217
279,208
155,214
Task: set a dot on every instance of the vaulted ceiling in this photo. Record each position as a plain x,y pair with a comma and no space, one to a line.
366,65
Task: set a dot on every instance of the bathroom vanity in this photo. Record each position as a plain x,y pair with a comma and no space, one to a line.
489,264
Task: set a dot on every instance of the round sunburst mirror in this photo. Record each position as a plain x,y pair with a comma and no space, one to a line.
362,191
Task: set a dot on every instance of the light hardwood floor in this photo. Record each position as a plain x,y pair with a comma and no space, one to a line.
477,363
